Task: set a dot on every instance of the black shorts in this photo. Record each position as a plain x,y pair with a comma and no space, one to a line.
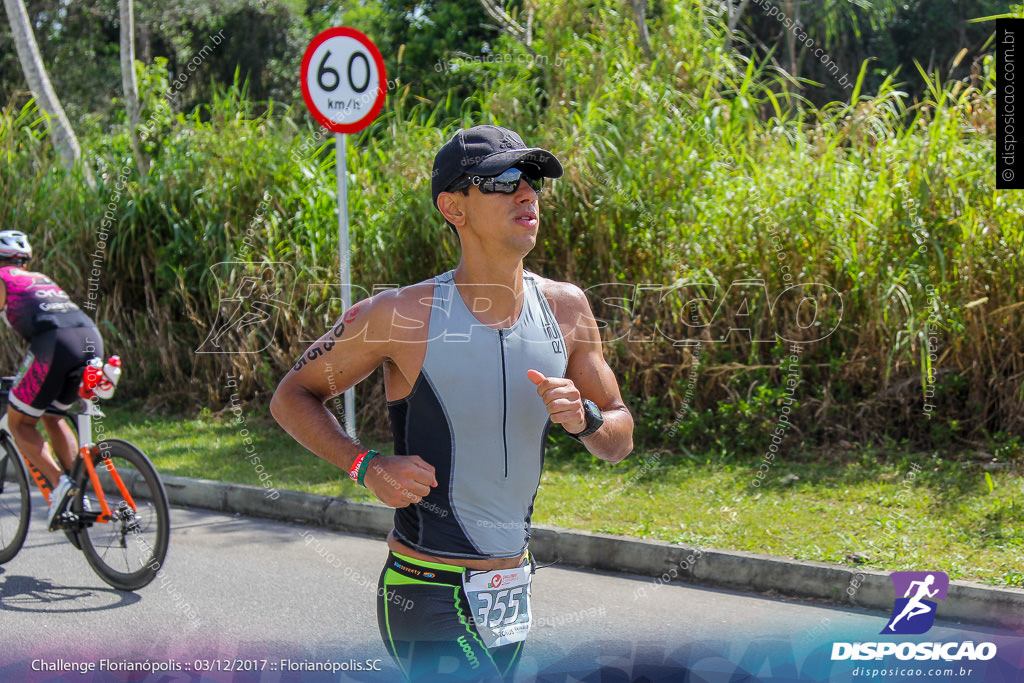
52,370
428,629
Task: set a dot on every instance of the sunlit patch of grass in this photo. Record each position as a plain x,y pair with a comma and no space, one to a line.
212,447
849,512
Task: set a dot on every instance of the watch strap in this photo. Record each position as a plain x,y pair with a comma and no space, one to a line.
593,418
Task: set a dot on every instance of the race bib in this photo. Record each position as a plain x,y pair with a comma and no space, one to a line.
500,603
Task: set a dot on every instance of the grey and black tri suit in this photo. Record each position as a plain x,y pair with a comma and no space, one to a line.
476,417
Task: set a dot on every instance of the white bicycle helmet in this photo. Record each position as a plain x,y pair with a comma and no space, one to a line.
14,245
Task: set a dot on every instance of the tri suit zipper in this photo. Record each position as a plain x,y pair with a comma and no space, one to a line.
504,398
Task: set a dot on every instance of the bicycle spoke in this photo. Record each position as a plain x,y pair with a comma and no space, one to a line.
127,552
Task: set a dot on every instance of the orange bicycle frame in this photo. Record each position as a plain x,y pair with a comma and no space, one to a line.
39,479
86,453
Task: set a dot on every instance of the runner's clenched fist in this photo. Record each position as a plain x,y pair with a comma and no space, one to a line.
563,401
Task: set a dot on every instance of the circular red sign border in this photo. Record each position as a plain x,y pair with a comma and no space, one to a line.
382,83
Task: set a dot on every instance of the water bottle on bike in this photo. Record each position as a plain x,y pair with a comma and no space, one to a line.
111,375
100,379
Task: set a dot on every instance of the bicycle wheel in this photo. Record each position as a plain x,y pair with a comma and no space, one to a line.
15,507
128,550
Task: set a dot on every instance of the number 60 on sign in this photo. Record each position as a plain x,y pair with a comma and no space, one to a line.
343,79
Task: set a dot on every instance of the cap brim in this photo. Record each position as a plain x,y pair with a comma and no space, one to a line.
541,158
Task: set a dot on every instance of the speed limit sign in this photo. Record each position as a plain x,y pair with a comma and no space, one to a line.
343,79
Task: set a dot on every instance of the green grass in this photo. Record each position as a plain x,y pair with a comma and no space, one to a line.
950,521
810,506
211,446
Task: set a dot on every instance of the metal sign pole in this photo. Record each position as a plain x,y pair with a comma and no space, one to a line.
345,263
327,85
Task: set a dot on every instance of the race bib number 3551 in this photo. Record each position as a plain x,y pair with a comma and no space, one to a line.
500,602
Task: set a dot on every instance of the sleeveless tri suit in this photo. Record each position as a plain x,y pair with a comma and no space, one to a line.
476,417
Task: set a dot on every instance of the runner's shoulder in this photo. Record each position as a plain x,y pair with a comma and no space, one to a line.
392,313
565,298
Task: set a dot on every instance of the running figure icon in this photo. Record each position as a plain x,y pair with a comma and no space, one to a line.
915,606
916,589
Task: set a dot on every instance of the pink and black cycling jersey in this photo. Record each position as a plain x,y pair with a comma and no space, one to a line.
35,304
61,339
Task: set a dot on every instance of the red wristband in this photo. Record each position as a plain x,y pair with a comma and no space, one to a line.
353,472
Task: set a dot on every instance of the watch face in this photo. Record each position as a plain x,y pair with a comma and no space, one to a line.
594,417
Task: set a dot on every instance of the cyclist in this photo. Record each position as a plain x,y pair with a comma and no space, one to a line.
61,340
478,363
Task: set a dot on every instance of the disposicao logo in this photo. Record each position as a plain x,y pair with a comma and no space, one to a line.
913,614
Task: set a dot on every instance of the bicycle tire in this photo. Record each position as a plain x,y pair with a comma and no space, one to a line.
15,505
126,552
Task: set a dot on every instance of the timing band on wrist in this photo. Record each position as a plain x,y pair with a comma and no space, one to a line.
358,469
360,465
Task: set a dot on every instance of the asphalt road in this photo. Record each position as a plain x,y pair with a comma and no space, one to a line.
239,588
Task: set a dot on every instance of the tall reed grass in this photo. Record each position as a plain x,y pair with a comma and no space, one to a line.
687,174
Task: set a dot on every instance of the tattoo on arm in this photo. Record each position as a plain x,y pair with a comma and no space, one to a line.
312,353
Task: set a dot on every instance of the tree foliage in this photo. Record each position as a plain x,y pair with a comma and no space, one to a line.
892,34
423,41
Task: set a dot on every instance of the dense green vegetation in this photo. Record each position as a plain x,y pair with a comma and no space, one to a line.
687,171
418,38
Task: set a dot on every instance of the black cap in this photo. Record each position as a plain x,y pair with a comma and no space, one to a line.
486,151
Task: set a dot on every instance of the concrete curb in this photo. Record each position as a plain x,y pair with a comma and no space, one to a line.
665,562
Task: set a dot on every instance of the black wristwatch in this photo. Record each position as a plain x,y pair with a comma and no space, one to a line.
594,419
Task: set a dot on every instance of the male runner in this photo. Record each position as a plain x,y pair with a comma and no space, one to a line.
478,362
61,340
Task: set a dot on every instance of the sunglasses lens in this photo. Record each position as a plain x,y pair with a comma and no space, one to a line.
508,181
536,183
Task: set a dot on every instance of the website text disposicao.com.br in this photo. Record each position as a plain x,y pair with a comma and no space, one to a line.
957,658
905,673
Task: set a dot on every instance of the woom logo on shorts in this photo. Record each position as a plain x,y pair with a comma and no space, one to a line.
913,613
